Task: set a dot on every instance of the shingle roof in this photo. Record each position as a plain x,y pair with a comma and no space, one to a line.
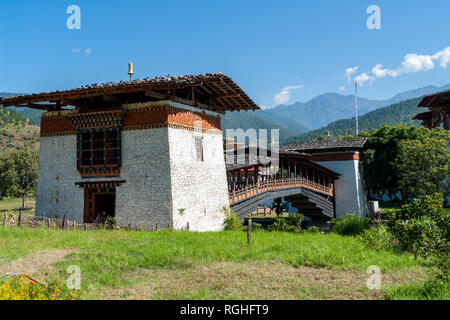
435,100
220,88
327,145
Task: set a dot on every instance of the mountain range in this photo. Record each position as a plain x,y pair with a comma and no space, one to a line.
331,112
326,108
397,113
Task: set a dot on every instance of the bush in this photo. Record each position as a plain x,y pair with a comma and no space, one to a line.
350,225
293,223
378,238
313,229
232,222
255,227
421,227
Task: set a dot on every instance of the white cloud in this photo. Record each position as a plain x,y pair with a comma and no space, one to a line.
264,107
88,51
363,78
379,72
285,94
414,62
349,72
443,57
76,50
342,89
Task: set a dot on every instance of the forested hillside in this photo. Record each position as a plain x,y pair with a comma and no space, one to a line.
247,119
398,113
16,132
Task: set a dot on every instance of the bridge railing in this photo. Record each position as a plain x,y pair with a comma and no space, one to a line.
277,184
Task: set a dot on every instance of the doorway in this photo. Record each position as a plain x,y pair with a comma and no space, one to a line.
103,206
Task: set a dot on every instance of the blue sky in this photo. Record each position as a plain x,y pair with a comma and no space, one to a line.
277,51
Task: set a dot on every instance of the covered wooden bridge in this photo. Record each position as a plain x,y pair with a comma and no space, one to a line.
308,186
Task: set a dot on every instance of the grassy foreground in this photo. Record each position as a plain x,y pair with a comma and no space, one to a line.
15,204
189,265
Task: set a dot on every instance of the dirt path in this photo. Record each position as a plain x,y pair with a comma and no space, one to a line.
255,280
35,263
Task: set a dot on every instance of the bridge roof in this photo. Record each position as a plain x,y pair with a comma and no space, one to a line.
216,92
327,145
265,160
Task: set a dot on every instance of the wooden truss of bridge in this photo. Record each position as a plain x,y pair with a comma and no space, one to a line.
307,185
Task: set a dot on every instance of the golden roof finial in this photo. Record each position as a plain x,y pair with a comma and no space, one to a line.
130,70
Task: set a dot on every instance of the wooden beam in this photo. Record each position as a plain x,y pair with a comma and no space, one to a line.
113,99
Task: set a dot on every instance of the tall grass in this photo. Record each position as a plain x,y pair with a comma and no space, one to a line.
104,256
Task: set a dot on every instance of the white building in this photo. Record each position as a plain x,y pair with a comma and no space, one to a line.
147,152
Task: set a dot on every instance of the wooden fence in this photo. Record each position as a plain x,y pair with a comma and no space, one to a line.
8,219
12,219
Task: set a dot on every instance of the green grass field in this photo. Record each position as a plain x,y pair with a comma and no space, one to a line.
189,265
15,204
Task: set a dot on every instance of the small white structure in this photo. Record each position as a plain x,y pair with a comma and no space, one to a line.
343,157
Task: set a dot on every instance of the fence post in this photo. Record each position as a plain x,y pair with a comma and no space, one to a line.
4,218
63,222
249,231
19,220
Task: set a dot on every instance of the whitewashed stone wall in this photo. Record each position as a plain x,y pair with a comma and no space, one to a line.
349,189
162,178
57,193
199,188
145,198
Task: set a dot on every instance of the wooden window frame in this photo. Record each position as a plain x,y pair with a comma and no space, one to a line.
105,148
199,154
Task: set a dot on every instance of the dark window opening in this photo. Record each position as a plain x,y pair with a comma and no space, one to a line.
199,149
99,149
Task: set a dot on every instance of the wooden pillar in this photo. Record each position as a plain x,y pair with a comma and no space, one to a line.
282,168
233,184
289,168
246,181
295,169
239,179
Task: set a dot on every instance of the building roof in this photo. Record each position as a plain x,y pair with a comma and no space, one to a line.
327,145
435,100
259,160
215,92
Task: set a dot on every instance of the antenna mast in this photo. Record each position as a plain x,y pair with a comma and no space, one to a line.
356,108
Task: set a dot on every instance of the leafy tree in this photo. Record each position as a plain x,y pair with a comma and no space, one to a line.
384,168
422,167
18,173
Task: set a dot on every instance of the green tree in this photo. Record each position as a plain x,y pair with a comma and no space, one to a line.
422,167
382,170
18,174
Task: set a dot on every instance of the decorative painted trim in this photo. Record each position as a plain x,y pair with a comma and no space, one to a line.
335,157
100,184
58,134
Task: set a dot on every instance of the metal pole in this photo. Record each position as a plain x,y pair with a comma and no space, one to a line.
356,108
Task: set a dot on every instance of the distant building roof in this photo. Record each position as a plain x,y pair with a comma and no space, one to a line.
439,114
327,145
435,100
216,92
